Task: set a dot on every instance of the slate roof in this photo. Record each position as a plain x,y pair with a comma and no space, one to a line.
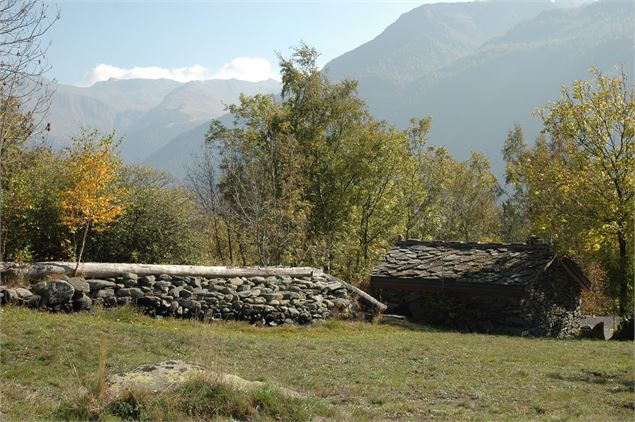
475,264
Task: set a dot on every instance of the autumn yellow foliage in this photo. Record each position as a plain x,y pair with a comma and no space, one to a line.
92,198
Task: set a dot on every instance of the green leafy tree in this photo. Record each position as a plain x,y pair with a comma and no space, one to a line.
162,223
577,181
469,200
515,213
32,229
598,120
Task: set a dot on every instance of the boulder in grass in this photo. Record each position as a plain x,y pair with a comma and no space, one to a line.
159,377
53,293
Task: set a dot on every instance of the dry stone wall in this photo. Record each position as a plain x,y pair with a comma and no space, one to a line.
269,300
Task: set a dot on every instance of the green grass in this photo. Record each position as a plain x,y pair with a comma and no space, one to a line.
353,370
198,399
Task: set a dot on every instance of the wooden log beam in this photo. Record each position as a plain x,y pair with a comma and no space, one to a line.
105,269
360,293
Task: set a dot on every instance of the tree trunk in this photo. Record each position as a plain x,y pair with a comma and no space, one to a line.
81,249
624,280
106,269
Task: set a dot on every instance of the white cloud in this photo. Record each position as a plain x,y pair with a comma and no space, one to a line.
251,69
103,72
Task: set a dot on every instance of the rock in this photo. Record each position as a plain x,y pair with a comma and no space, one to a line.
245,294
33,301
80,285
174,306
185,293
133,292
82,303
105,293
128,282
165,277
148,301
194,282
23,293
147,280
235,281
11,296
272,296
290,295
159,377
130,276
163,285
57,292
96,285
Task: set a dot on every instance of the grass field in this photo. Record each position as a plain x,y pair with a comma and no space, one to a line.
357,371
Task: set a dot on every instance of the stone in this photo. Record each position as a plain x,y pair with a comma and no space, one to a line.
163,285
23,293
235,281
33,301
147,280
57,292
82,303
130,276
80,285
105,293
11,296
195,282
272,296
165,277
133,292
97,284
185,293
148,301
174,306
245,294
128,282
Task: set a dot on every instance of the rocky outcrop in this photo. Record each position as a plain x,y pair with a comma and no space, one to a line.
270,300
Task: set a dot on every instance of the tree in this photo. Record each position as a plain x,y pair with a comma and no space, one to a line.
161,222
307,178
593,124
24,94
32,228
515,214
469,197
92,198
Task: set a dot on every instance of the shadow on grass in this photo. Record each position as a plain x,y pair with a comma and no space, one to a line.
405,324
616,382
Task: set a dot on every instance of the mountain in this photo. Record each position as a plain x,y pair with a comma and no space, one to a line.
146,113
475,97
427,39
475,68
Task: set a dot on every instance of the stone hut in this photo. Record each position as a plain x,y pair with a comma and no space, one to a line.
518,289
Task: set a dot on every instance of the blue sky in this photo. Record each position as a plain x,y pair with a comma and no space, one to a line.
202,39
